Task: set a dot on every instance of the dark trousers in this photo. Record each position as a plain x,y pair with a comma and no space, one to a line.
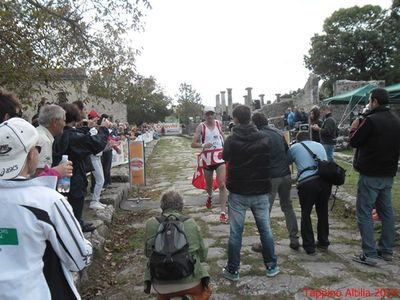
77,207
106,160
315,191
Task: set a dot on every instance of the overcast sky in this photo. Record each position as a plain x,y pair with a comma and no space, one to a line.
219,44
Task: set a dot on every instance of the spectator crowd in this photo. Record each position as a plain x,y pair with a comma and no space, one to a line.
42,239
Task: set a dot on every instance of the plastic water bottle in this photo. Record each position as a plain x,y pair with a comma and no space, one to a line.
63,183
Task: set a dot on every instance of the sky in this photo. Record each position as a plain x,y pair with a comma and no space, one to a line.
218,44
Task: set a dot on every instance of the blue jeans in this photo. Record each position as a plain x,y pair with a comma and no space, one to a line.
375,192
259,205
329,151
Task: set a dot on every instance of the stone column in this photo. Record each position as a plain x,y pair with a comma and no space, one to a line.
229,101
262,99
218,109
278,98
223,102
245,99
249,97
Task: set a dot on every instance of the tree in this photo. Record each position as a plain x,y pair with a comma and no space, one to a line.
39,35
353,46
146,102
189,103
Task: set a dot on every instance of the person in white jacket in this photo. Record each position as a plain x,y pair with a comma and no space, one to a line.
41,242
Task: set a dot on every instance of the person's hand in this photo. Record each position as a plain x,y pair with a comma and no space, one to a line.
92,123
355,124
105,123
65,169
315,127
207,145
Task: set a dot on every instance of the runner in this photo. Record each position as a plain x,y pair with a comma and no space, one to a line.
210,137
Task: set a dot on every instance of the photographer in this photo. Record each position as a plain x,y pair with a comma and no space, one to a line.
376,137
78,144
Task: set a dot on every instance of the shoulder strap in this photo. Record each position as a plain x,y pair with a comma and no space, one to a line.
313,155
218,124
162,218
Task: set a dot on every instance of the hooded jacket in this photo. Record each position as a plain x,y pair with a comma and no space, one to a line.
247,153
78,145
377,140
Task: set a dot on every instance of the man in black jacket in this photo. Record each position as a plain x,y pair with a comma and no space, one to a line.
248,182
78,144
376,137
327,131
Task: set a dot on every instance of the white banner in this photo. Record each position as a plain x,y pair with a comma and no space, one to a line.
168,128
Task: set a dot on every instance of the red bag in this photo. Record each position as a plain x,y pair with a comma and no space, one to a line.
199,181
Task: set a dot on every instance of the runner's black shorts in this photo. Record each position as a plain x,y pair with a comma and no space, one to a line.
213,167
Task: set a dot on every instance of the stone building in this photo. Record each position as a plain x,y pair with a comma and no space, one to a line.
69,85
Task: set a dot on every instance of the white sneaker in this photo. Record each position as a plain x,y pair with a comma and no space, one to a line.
96,205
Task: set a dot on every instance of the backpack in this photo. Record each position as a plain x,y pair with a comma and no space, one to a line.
170,259
327,170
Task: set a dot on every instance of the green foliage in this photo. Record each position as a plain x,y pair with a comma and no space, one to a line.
146,102
357,43
40,35
189,103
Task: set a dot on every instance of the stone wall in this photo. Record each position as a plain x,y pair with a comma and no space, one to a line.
70,85
307,98
117,111
340,111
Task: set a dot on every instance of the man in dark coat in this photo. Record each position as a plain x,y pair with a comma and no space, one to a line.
248,182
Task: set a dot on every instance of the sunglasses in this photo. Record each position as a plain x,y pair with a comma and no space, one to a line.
38,148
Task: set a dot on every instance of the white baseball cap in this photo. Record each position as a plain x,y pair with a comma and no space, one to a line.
209,108
17,137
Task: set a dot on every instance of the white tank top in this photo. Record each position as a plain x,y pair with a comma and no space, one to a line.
214,137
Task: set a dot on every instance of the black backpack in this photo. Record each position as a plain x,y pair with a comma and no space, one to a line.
327,170
170,259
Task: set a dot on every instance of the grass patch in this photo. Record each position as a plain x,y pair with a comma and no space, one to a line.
136,240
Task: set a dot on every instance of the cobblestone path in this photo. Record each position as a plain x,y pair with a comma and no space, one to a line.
328,275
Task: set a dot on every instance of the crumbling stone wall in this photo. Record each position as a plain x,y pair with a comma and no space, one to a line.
307,98
71,85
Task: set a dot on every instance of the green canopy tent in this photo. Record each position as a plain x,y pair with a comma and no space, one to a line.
394,93
352,99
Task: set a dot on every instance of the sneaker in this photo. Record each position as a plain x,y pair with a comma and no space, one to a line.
209,202
257,247
272,271
385,256
363,259
230,276
223,218
88,227
96,205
